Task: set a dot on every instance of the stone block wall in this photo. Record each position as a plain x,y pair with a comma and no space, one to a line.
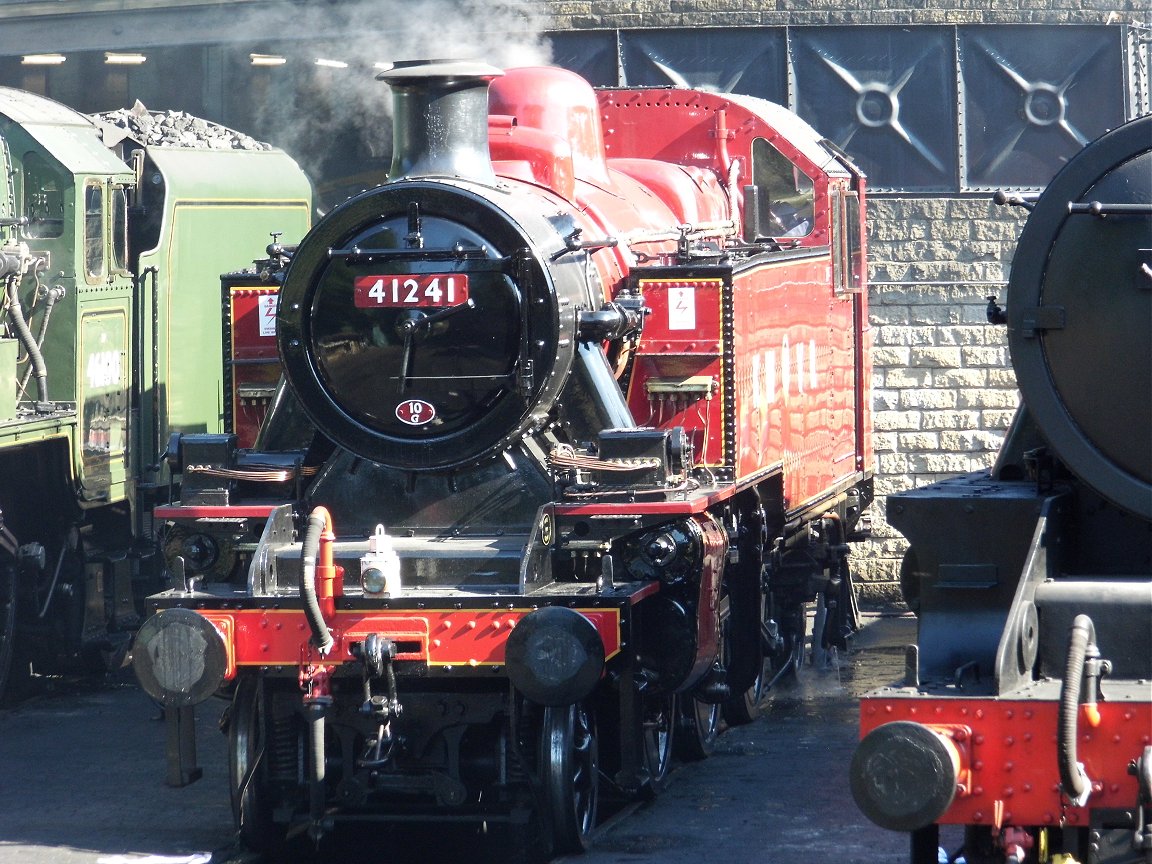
943,387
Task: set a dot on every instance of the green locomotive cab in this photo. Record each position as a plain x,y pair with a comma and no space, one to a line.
111,250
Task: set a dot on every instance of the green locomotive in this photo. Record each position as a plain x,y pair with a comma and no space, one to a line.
113,237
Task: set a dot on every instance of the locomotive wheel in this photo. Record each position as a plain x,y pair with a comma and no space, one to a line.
699,729
248,769
571,765
657,740
795,634
744,707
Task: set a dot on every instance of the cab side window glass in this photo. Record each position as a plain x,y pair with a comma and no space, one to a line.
94,230
43,200
791,193
119,229
856,263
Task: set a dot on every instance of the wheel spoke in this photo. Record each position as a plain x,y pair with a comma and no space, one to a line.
248,755
657,740
571,774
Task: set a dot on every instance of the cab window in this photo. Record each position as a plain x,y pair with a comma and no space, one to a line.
43,199
854,242
119,213
848,251
94,230
790,192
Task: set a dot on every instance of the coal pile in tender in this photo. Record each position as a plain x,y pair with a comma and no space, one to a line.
170,129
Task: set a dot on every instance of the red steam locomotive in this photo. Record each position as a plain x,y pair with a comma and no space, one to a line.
573,427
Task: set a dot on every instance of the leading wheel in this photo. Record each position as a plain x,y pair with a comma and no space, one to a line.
657,738
699,729
744,707
571,766
249,753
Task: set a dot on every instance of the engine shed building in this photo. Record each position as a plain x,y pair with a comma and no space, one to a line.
941,102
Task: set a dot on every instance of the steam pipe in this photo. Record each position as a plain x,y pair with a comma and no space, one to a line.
722,136
317,539
318,590
729,167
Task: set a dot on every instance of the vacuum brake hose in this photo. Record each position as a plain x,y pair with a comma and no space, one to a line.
318,522
35,358
1081,643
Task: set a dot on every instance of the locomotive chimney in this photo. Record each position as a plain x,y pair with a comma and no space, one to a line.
440,119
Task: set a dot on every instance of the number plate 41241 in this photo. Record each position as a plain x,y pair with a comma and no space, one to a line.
410,291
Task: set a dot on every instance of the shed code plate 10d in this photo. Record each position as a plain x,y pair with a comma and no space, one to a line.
410,291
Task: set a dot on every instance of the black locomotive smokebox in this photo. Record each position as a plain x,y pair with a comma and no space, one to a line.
1080,316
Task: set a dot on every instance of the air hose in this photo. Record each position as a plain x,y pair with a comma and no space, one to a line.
28,342
318,522
52,296
317,544
1083,658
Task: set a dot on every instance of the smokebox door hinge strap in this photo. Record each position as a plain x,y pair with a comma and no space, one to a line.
1042,318
414,238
